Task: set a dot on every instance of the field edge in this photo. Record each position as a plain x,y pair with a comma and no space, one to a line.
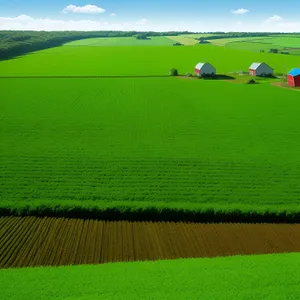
147,211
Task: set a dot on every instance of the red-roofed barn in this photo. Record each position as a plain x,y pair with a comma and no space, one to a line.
294,77
260,69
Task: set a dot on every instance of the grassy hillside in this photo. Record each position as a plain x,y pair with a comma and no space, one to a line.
123,41
168,142
239,277
85,60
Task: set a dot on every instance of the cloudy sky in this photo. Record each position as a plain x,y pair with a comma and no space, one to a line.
156,15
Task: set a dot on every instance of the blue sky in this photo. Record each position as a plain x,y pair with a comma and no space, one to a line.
158,15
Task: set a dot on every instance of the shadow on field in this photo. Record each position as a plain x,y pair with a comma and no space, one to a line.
154,214
18,56
218,77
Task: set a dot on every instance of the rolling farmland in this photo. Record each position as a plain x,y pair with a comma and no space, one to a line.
32,241
121,148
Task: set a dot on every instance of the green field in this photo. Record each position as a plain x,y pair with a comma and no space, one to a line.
198,35
226,41
185,40
167,142
146,142
123,41
139,145
239,277
261,43
122,61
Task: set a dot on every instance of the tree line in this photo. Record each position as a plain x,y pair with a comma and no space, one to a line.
14,43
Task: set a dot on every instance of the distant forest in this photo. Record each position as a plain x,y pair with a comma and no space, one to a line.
15,43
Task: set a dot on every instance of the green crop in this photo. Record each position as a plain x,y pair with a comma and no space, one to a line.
148,142
240,277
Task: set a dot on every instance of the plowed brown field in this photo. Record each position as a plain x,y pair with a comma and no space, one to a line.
32,241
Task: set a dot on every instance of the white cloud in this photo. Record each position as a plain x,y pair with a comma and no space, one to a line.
113,15
87,9
21,18
275,18
142,21
240,23
24,22
240,11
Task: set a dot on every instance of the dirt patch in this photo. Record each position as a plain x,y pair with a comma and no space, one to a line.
285,85
33,241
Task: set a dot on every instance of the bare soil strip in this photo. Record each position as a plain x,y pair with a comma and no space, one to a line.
33,241
285,86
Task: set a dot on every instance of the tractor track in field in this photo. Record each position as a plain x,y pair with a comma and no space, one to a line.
34,241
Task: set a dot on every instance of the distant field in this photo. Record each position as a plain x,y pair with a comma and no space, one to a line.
123,41
257,46
122,61
225,41
184,40
239,277
199,35
262,43
145,143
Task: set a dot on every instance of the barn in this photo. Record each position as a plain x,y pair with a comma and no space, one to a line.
260,69
203,69
294,77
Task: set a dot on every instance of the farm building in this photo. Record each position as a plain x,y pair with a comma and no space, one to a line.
205,69
260,69
294,77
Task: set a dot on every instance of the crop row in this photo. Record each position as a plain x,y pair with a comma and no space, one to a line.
31,241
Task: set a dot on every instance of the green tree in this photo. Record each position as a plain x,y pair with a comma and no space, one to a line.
173,72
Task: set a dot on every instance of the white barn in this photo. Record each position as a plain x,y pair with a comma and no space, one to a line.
204,69
260,69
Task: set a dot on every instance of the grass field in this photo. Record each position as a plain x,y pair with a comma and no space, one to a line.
262,43
187,41
258,46
113,61
124,41
198,35
225,41
240,277
148,143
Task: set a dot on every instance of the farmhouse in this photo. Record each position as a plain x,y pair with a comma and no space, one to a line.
260,69
294,77
204,69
